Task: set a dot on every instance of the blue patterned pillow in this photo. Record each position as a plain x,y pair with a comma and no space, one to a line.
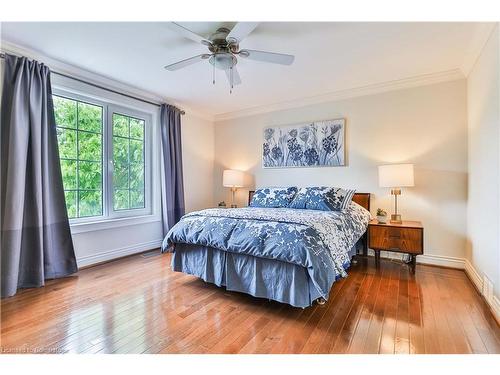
323,198
273,197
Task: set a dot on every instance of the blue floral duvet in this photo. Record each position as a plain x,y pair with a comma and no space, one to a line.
316,240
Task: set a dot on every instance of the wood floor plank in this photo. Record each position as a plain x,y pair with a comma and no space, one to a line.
344,336
430,332
318,341
416,330
444,338
388,334
139,305
363,322
262,341
470,331
275,336
211,334
236,339
484,321
457,332
68,307
86,323
340,315
287,342
130,333
402,338
371,342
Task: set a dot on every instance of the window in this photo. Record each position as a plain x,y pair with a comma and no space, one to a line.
104,159
79,134
128,161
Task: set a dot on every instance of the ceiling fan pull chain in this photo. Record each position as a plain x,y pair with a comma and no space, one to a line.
232,81
213,77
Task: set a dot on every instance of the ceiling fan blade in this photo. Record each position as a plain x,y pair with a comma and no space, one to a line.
275,58
186,62
240,31
189,34
236,76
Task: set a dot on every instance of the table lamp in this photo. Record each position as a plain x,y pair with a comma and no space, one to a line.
396,176
233,179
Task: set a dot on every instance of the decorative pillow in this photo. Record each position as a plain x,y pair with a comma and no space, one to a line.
323,198
273,197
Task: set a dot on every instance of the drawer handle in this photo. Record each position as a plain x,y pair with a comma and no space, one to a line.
398,236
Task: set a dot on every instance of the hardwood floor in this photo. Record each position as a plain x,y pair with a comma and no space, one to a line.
138,305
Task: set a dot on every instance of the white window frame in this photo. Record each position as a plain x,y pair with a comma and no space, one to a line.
112,214
111,218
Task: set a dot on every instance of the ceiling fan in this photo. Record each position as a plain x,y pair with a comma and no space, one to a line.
224,50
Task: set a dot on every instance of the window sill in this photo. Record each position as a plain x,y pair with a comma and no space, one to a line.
112,223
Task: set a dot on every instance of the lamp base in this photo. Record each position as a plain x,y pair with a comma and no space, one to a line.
396,219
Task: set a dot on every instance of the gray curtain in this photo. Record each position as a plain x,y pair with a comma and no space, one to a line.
36,240
172,182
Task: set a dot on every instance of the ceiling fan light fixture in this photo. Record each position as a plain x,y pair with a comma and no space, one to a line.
223,61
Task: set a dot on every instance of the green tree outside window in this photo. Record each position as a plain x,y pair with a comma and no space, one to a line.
79,134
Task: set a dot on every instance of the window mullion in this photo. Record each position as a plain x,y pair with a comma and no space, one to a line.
128,169
104,160
110,162
77,166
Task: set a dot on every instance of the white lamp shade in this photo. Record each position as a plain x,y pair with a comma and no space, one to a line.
395,175
233,178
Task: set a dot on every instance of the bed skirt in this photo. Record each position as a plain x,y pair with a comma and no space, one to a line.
259,277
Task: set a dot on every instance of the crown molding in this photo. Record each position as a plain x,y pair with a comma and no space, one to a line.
477,44
399,84
98,79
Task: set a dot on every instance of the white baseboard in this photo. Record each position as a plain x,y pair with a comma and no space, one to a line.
117,253
435,260
439,260
474,275
487,292
496,308
387,254
485,288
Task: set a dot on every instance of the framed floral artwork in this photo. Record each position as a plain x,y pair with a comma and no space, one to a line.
312,144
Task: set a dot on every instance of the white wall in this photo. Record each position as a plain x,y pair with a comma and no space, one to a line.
426,126
198,159
483,224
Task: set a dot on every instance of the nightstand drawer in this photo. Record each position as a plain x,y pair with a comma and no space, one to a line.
408,240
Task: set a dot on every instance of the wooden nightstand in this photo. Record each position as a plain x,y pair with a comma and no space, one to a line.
407,238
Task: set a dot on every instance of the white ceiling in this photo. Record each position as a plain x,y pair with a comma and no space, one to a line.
328,57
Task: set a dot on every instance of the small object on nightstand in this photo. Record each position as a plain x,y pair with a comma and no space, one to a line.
381,216
407,238
222,204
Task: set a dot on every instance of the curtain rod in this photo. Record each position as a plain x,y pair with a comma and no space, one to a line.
2,56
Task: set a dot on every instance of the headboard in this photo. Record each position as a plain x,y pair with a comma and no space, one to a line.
363,199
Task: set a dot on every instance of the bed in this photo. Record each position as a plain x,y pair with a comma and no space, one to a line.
288,255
